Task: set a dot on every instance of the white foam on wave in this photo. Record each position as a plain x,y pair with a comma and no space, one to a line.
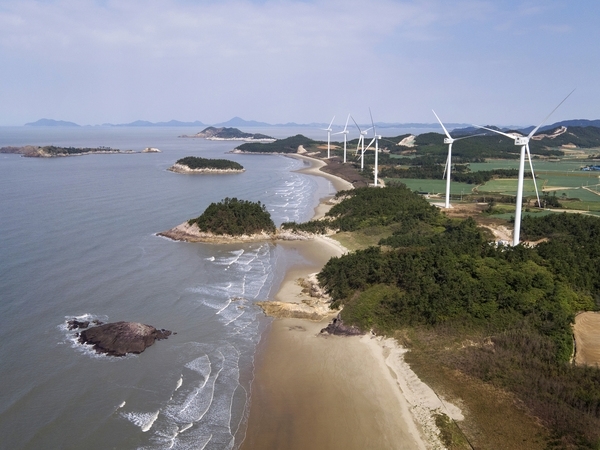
186,426
201,365
142,420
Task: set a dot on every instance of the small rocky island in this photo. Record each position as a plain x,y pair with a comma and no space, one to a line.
230,220
195,164
229,134
52,151
117,338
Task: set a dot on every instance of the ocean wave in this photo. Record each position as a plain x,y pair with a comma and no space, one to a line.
142,420
200,410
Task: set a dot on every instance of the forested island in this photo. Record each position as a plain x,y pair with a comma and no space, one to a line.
52,151
228,220
229,134
287,145
195,164
483,311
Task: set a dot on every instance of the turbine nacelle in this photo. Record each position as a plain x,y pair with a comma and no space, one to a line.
521,140
448,140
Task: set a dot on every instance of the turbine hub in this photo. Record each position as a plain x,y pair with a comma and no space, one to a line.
448,141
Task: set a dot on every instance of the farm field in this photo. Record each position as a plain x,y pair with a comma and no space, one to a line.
575,189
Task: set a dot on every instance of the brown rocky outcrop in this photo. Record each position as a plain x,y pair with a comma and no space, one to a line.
121,338
338,328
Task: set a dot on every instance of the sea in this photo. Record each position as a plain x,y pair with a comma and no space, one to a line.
78,241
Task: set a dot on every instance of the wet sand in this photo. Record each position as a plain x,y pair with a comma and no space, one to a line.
315,391
323,392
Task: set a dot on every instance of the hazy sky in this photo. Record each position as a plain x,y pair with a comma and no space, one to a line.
493,62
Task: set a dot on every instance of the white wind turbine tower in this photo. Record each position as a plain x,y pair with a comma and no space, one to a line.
523,141
328,129
448,168
345,133
375,139
361,141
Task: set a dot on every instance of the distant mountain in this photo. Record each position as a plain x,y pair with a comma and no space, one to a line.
525,131
51,123
239,122
145,123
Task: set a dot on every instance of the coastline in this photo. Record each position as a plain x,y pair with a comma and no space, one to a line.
321,391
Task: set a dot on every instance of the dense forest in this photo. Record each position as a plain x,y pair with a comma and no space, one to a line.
519,302
235,217
195,162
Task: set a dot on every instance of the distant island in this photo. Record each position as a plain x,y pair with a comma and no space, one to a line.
229,134
230,220
51,151
195,164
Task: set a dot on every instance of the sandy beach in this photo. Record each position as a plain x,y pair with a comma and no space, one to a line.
332,392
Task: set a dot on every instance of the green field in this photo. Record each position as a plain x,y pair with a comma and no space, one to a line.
551,176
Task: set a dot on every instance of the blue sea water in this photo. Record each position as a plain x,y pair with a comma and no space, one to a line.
77,239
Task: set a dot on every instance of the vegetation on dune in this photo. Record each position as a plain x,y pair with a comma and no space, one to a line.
235,217
195,162
516,304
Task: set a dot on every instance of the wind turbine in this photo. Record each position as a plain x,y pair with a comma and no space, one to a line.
345,133
448,168
523,141
328,129
361,140
375,139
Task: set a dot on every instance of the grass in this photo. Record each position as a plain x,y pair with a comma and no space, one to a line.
358,240
493,418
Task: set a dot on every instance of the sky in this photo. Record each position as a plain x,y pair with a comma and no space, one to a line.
500,62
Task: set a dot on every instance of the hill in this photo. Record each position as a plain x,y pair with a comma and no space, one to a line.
235,217
51,123
287,145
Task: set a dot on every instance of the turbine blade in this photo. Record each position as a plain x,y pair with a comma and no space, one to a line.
361,138
533,175
356,124
370,143
496,131
372,123
331,123
443,127
467,137
548,116
445,167
347,119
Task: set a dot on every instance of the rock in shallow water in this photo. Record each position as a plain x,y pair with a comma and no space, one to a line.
120,338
